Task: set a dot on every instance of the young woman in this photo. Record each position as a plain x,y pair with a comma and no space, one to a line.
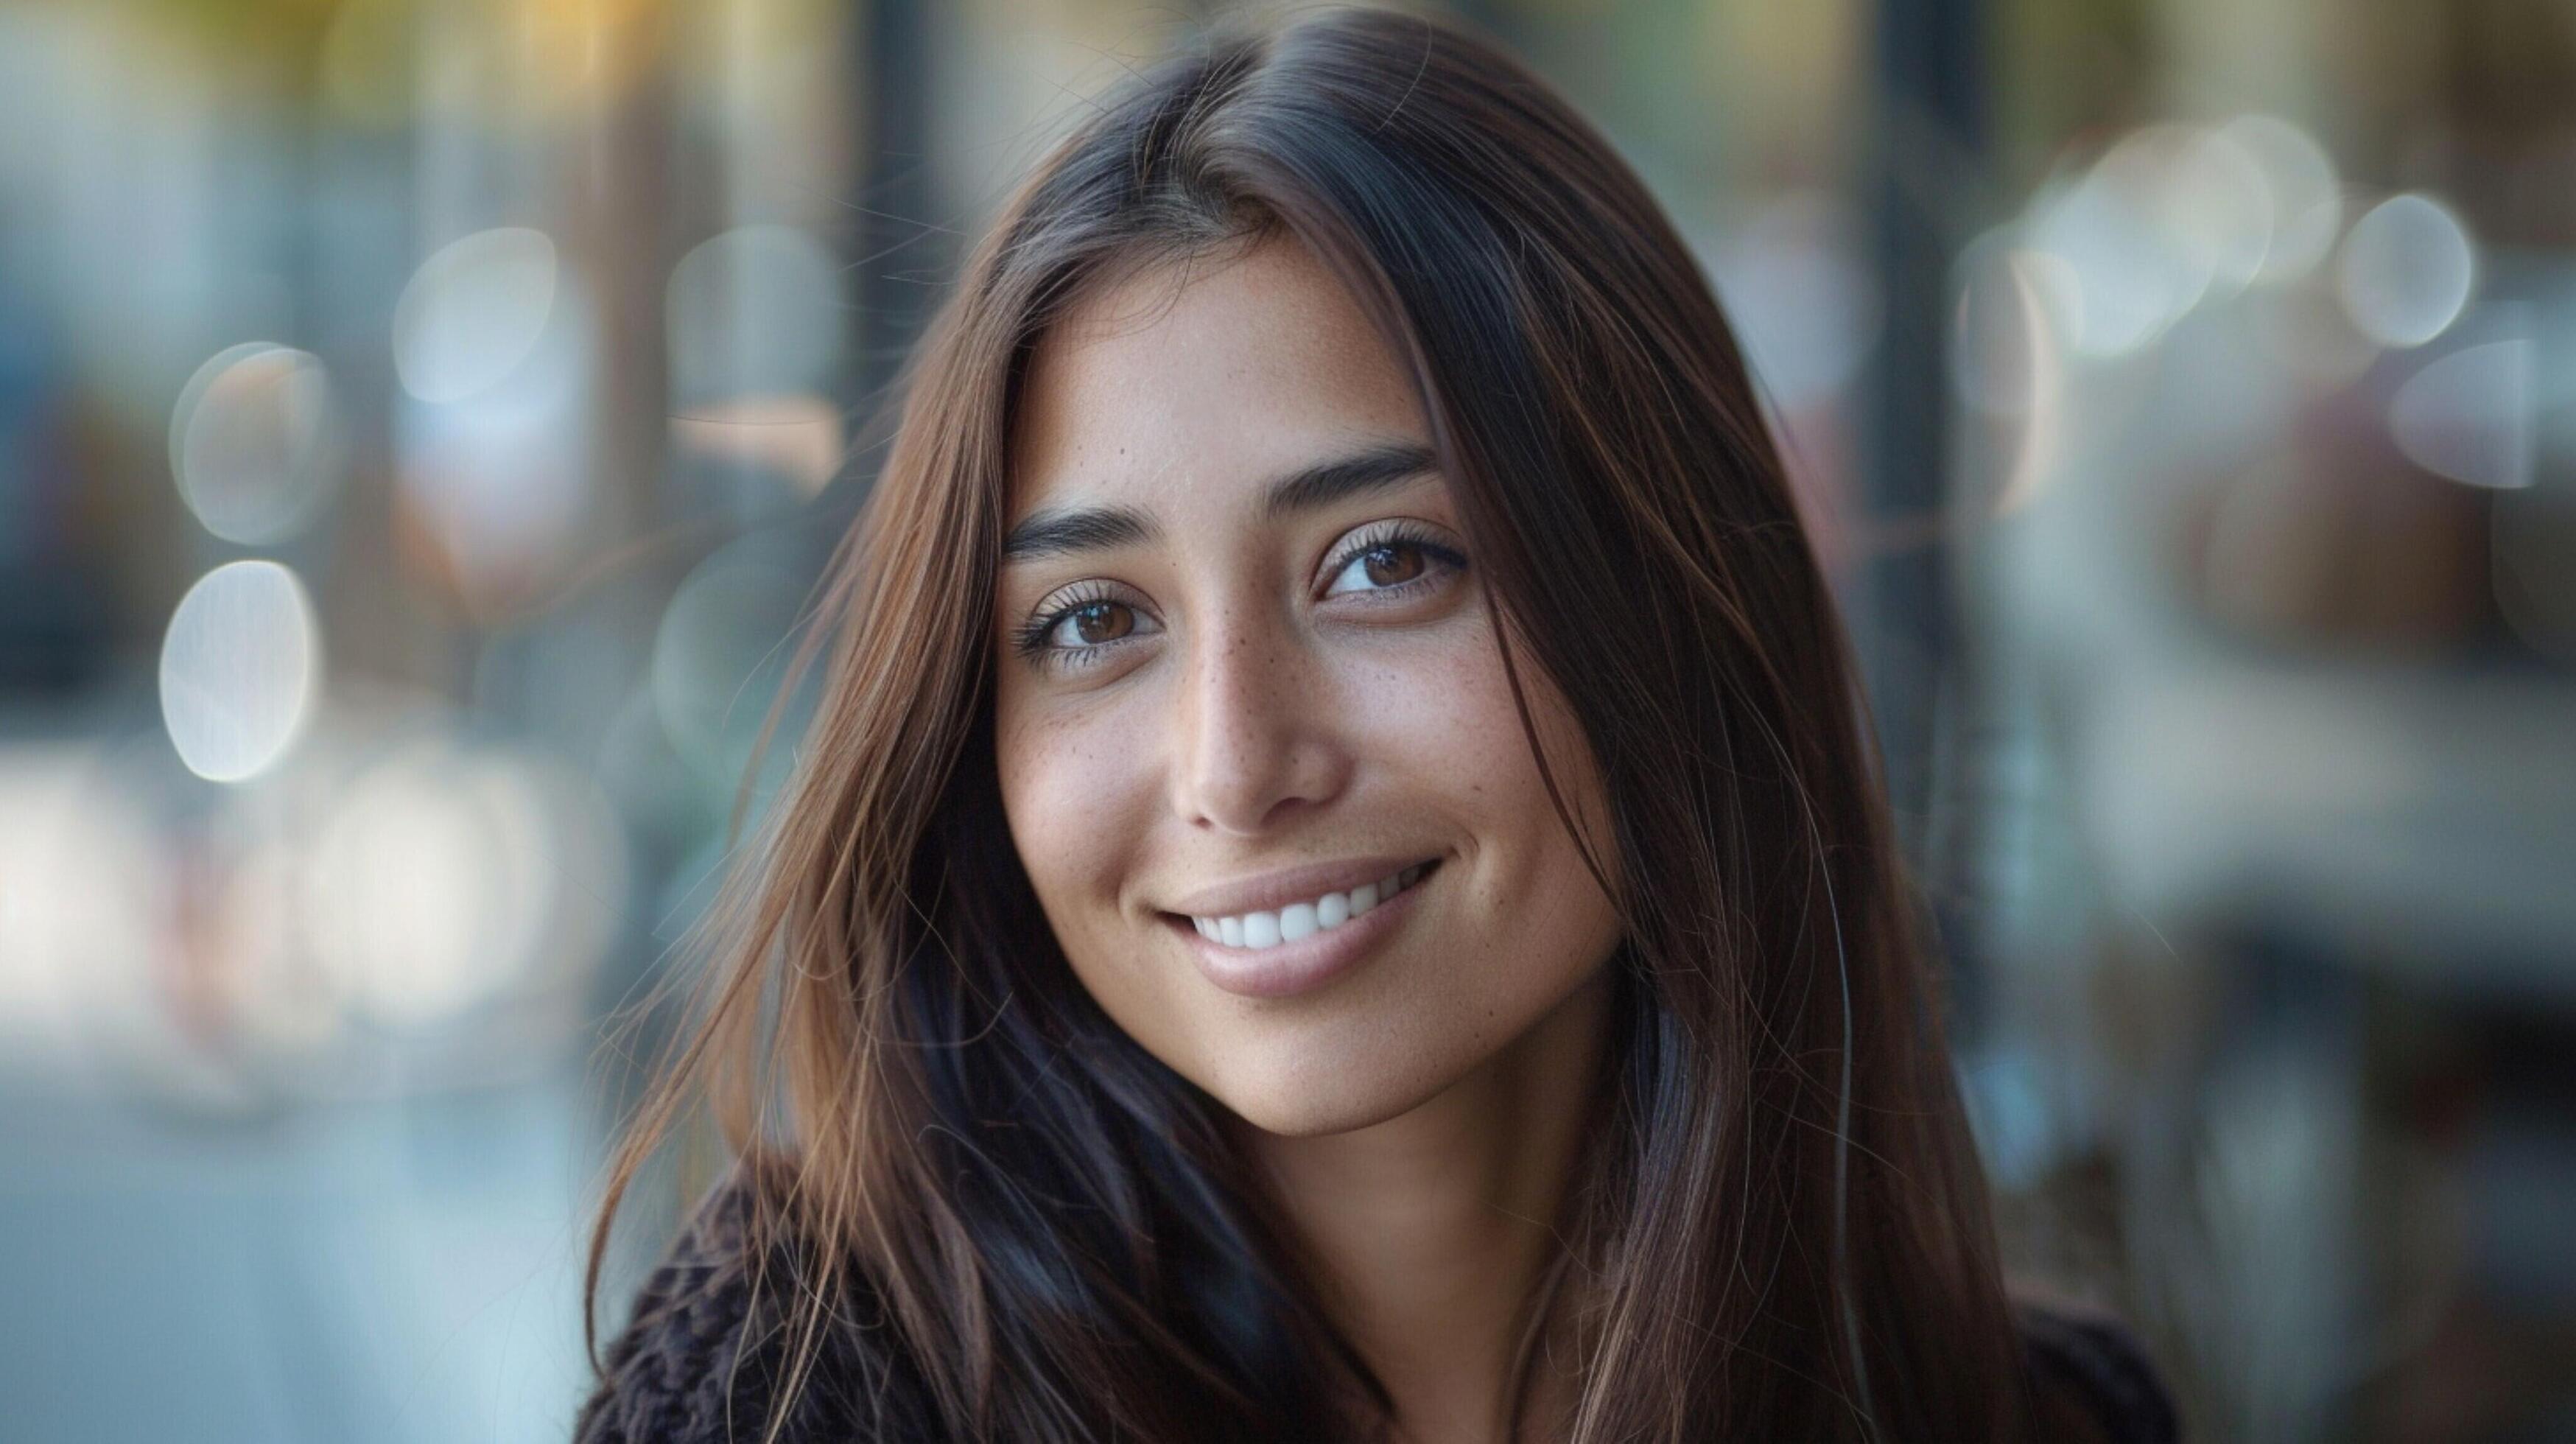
1337,891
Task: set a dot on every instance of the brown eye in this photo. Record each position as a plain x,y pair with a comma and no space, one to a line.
1097,622
1087,628
1391,564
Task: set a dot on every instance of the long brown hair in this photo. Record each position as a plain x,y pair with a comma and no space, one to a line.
1009,1220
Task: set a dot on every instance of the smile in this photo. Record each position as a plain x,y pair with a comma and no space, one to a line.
1261,930
1273,953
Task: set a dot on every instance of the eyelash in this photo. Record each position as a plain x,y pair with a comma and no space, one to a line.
1029,640
1396,533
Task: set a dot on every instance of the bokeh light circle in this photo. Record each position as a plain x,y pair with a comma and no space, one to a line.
721,650
473,312
240,664
447,878
2307,200
251,441
2406,270
2218,207
2117,237
2468,415
756,311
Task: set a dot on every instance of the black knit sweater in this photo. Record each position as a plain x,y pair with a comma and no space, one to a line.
702,1358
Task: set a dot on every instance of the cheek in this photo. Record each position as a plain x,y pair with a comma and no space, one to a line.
1453,726
1067,792
1534,922
1079,799
1446,719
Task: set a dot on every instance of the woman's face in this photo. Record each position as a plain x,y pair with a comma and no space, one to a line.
1256,744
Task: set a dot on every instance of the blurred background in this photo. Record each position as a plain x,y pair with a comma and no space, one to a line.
421,423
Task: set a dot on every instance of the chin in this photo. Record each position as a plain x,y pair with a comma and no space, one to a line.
1311,1117
1311,1096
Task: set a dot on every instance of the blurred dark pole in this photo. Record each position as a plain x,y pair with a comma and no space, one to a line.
900,259
1927,142
615,221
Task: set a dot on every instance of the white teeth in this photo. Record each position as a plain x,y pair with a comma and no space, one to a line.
1297,920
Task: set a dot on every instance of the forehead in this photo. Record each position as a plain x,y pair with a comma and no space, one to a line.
1197,377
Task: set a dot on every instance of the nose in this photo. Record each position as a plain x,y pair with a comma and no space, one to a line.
1255,740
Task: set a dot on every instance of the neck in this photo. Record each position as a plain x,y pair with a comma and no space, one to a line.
1433,1229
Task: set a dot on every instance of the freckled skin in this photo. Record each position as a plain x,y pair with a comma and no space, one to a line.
1261,725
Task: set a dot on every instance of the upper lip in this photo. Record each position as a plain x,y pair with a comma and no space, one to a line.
1271,891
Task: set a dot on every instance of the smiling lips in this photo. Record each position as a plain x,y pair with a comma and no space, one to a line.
1257,931
1299,946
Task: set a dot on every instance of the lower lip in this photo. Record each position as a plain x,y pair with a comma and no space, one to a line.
1285,969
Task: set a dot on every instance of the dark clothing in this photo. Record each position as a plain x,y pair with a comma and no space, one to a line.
2088,1363
708,1348
695,1367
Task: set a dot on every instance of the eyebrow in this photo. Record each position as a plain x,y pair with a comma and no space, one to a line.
1062,531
